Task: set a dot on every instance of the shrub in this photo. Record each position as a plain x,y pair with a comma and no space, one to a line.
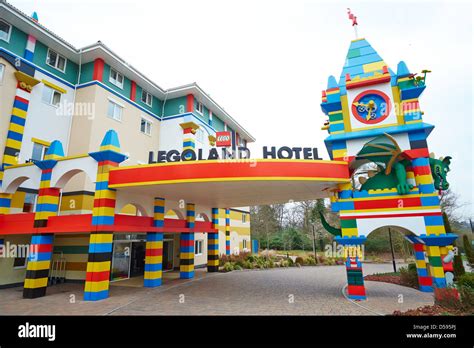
290,262
238,268
466,280
447,298
409,276
310,260
285,263
458,266
468,249
228,266
299,260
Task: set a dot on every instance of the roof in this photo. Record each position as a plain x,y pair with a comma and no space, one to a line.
88,53
361,60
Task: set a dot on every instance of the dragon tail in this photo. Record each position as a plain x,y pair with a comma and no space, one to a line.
334,231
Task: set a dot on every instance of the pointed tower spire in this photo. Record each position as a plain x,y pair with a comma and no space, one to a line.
402,69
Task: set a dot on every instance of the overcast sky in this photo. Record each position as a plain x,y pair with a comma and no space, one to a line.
266,62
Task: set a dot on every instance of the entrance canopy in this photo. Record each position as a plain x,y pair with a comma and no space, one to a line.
233,183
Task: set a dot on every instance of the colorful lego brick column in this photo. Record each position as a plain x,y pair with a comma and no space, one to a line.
355,278
227,231
5,199
39,261
186,243
213,243
103,213
154,247
423,177
189,143
48,197
424,279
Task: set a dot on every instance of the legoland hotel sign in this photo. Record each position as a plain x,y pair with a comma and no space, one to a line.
241,152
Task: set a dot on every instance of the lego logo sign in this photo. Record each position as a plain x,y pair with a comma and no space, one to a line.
223,139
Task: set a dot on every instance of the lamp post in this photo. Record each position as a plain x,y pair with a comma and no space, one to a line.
314,243
391,249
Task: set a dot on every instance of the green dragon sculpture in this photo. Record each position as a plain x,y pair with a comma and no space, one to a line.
391,170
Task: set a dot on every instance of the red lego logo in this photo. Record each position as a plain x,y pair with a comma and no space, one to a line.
223,139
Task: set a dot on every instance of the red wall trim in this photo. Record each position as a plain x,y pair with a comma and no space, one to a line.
98,69
133,91
190,103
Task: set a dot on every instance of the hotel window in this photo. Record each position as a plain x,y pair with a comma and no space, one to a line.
244,243
116,78
2,72
51,96
29,203
147,98
55,60
5,31
199,108
244,218
19,262
145,126
198,247
114,111
39,150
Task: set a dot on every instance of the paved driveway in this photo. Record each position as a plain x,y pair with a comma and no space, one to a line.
291,291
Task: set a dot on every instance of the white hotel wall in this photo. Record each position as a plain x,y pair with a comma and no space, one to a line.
42,121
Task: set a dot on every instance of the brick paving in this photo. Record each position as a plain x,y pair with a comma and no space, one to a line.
289,291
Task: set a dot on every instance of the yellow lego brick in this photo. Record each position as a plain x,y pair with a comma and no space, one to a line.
102,177
339,153
437,272
97,286
350,232
213,263
153,259
38,265
186,268
11,160
19,113
424,179
101,238
36,283
109,194
103,211
48,200
432,250
14,144
16,128
98,266
153,274
420,264
187,256
373,66
154,245
435,230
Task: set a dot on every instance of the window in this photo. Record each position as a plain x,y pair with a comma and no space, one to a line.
244,243
5,31
2,72
39,150
199,108
244,218
145,126
116,78
19,262
198,247
114,111
29,204
51,96
55,60
147,98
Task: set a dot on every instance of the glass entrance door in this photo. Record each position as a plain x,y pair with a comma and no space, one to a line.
121,260
168,255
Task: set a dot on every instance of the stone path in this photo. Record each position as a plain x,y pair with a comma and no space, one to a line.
286,291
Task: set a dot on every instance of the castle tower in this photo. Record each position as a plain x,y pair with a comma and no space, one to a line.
374,116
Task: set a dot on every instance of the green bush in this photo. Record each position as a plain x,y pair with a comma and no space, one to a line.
228,266
458,266
468,249
238,268
409,276
466,280
310,260
285,263
290,262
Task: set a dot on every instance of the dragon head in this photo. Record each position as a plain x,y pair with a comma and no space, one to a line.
439,170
